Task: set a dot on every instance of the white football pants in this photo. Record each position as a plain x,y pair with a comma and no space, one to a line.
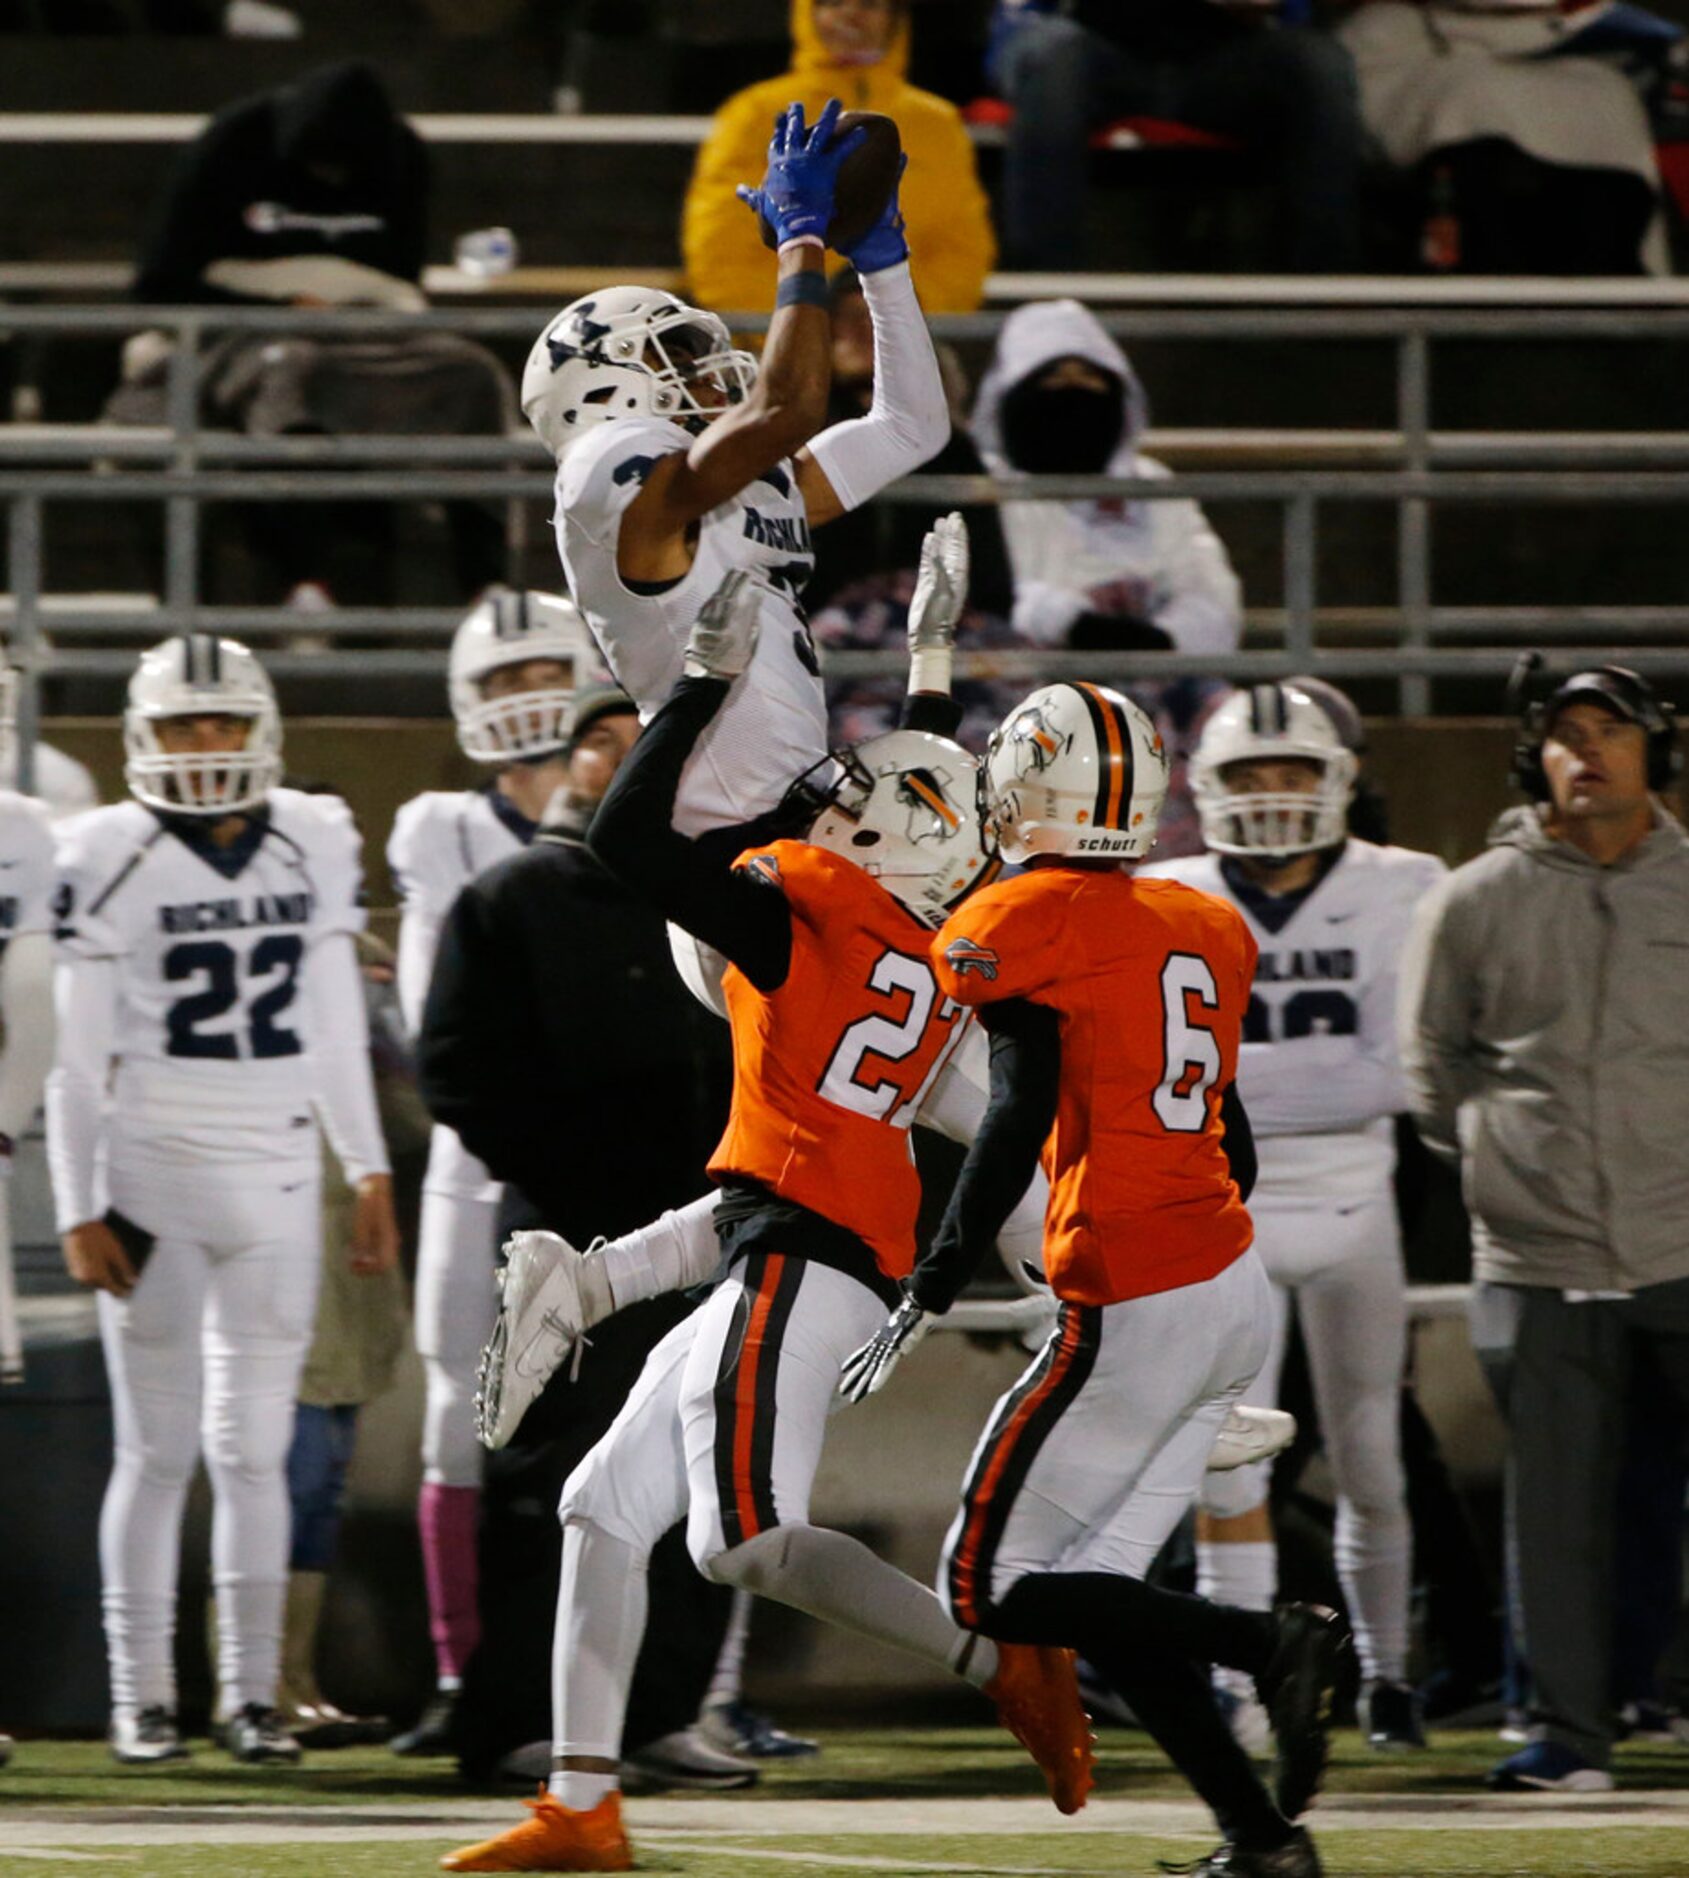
1342,1264
1092,1458
204,1356
456,1307
724,1428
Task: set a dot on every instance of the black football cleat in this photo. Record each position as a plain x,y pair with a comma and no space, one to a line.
1299,1687
1295,1859
259,1737
1390,1718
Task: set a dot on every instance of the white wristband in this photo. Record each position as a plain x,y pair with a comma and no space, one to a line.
930,668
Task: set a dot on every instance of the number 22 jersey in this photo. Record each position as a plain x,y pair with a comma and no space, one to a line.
1149,981
212,949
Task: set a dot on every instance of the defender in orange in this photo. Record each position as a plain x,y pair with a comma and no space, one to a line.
1115,1008
839,1026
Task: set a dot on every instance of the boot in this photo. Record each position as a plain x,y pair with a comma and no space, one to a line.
312,1719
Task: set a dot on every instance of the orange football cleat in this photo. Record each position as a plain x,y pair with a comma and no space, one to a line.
1037,1700
555,1838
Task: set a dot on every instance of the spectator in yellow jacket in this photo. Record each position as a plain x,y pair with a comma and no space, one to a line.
857,51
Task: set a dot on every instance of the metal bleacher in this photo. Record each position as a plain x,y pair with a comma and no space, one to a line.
1312,476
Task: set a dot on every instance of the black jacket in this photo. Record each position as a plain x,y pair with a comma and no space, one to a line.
560,1044
325,166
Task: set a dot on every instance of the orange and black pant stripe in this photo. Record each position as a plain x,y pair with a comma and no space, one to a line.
745,1394
1024,1421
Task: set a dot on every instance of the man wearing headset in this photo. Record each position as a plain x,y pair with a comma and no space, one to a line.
1545,1022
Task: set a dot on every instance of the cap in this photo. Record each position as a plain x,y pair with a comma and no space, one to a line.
1625,693
593,702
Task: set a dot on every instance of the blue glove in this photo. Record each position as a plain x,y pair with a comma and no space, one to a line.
884,244
796,197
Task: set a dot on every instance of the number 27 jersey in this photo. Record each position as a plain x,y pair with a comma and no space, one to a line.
212,1039
829,1070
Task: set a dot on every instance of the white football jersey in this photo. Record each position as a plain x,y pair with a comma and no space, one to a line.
774,725
211,1046
441,840
26,866
1319,1070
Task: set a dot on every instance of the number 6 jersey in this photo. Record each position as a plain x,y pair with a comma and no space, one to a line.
1149,981
203,1017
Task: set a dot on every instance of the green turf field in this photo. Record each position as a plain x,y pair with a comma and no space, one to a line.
880,1801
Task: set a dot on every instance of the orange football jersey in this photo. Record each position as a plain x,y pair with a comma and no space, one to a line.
829,1069
1150,980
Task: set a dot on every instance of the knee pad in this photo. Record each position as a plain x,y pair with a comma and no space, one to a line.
1227,1495
250,1441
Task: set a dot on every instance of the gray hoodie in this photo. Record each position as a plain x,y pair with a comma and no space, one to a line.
1545,1037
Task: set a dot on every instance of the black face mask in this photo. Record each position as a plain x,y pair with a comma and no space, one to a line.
1067,430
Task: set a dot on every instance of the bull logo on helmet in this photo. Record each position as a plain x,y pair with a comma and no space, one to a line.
1034,742
931,815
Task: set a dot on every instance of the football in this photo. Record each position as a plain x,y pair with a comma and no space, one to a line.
866,179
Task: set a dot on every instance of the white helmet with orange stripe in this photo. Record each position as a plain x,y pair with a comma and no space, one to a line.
905,809
1076,770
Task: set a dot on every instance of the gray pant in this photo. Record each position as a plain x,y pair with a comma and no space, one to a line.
1561,1373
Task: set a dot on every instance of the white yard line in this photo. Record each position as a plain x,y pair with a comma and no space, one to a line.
688,1823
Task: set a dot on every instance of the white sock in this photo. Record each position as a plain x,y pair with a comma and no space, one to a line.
834,1577
675,1251
580,1792
1374,1556
1244,1576
601,1602
728,1680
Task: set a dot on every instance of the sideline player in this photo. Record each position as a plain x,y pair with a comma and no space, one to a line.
26,991
1320,1073
1115,1007
210,1011
516,662
837,1029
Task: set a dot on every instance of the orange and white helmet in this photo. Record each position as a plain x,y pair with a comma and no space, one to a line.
630,352
905,809
1077,769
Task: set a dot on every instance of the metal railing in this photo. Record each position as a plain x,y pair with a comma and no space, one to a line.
183,467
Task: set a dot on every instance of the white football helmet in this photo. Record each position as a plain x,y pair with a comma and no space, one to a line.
200,675
905,810
1270,723
1077,769
509,627
630,352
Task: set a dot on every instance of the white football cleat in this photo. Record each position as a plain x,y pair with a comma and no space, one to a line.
549,1293
1250,1434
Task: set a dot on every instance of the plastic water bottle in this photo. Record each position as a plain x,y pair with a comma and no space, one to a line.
485,253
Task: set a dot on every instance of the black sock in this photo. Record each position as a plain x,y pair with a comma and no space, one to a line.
1087,1611
1172,1698
1154,1645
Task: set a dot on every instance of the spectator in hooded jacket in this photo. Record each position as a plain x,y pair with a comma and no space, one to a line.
323,170
1115,574
857,51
